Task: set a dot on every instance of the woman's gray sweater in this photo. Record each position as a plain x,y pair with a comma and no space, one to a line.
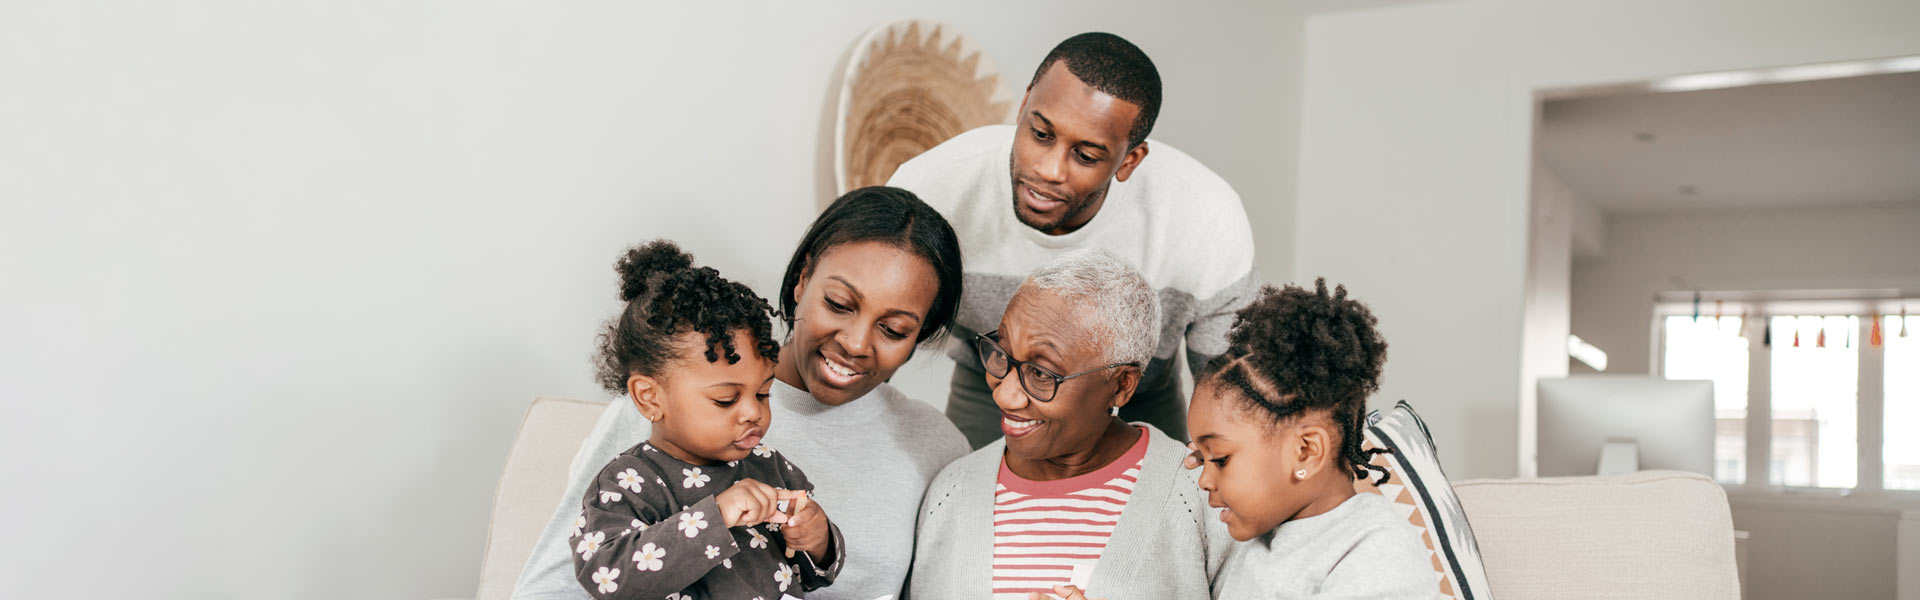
1168,543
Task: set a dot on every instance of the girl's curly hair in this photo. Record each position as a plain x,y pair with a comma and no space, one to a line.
1293,351
667,296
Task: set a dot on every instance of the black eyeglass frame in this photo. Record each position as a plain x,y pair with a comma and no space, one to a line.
983,342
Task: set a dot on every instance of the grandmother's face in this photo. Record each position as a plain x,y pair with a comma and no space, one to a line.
1043,328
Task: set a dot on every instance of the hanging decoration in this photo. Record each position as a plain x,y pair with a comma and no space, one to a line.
1903,319
1743,324
1766,334
1696,308
1820,339
1873,337
1718,311
1796,335
1850,330
909,85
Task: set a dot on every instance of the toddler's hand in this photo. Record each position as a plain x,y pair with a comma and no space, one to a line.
749,502
806,530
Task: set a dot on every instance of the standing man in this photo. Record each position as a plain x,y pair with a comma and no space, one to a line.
1073,172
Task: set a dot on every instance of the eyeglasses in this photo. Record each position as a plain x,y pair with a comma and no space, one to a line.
1039,382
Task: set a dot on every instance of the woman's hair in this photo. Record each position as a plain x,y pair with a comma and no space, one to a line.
667,296
890,215
1118,299
1292,351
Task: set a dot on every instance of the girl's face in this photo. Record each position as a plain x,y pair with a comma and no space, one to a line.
857,313
1249,467
706,412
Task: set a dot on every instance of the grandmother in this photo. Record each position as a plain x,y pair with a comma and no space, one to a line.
1072,494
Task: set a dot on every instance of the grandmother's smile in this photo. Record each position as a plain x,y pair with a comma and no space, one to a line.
1014,426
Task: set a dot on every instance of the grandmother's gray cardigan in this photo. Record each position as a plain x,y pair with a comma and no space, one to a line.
1168,543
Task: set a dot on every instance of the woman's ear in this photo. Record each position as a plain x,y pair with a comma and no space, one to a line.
645,392
800,283
1126,379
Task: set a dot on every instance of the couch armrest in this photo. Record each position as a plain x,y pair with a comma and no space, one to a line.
1651,534
531,485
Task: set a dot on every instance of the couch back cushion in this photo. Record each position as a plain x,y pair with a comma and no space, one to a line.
1651,534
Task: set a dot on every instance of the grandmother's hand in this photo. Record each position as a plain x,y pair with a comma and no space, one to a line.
1192,461
1066,592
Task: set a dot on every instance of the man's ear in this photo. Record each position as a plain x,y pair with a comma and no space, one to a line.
645,392
1127,163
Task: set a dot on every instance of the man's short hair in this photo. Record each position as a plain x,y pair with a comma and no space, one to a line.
1117,68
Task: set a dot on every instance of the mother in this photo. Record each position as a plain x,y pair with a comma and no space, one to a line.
1072,494
876,275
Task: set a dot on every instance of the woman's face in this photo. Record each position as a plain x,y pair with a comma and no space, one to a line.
858,310
1249,465
1042,328
706,412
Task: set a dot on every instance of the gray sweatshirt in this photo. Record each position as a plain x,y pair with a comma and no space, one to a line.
1360,549
869,460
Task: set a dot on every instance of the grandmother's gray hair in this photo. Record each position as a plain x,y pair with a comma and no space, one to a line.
1120,304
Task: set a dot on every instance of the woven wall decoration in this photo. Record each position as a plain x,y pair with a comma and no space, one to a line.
910,85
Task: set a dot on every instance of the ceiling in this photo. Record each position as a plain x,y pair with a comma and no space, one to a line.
1829,142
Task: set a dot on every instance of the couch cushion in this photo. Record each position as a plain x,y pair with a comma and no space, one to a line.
1651,534
1419,492
531,484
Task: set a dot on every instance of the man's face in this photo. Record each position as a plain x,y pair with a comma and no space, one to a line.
1069,145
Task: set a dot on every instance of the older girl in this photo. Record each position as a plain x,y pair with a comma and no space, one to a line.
1277,420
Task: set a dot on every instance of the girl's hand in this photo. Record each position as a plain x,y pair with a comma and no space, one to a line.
806,529
1066,592
749,502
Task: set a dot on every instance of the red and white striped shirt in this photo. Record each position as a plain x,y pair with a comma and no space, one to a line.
1043,530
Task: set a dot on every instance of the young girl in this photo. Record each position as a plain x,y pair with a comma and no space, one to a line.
1277,420
696,354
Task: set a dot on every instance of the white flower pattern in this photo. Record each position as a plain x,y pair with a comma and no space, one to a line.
579,524
629,479
763,451
605,577
713,552
589,544
759,541
649,558
609,497
694,478
691,523
784,576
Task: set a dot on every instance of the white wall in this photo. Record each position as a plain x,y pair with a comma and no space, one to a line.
1415,152
1864,247
281,277
1553,213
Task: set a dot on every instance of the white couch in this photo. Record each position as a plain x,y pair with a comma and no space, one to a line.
1653,534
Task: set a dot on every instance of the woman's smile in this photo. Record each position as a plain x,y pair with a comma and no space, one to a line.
1016,426
838,372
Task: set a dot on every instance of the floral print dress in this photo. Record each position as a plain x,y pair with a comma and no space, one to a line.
650,527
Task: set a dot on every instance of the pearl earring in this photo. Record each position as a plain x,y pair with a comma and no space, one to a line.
1115,411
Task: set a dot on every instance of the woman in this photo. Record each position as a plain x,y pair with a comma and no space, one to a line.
876,275
1072,495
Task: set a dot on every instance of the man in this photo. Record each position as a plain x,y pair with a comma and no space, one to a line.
1072,172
